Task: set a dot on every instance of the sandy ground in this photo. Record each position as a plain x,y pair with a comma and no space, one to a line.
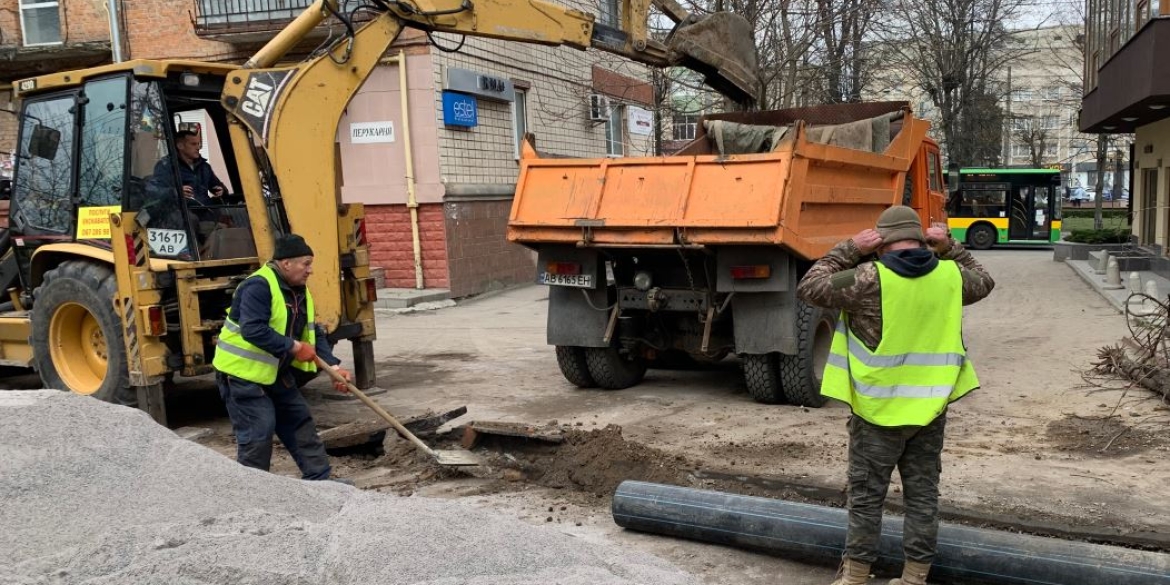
1030,446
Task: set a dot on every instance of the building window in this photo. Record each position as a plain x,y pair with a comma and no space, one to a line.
1050,148
1021,95
1021,151
610,13
520,119
686,126
615,131
1050,122
41,22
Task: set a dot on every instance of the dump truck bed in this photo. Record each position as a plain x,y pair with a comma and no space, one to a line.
806,192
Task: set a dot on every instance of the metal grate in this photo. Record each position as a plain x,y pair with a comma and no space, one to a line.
246,15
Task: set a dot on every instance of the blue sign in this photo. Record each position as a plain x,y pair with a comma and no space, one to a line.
459,110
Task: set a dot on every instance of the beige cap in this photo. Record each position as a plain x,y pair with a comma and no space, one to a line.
900,223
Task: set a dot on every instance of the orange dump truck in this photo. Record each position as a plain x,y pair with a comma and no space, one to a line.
657,262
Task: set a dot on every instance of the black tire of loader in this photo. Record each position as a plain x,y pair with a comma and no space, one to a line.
761,373
94,287
798,375
611,370
574,367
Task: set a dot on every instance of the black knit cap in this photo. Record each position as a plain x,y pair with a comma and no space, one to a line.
291,246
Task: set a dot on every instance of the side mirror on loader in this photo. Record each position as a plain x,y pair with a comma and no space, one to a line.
44,142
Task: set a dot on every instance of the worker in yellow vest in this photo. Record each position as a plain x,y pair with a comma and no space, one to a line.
265,353
898,360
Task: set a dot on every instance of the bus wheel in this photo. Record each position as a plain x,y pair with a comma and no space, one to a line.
981,237
77,335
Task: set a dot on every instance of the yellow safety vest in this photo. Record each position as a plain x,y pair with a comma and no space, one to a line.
234,356
919,366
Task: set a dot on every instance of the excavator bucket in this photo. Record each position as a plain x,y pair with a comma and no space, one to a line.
722,47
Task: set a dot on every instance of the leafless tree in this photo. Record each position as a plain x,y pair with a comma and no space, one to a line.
954,50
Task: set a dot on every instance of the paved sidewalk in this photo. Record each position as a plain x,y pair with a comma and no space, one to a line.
1117,297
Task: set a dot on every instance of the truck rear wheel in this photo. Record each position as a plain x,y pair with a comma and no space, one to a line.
574,367
801,374
613,371
77,336
761,373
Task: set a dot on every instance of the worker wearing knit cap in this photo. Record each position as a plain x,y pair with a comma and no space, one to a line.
898,360
266,351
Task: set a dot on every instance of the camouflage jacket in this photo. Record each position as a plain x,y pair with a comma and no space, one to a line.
843,280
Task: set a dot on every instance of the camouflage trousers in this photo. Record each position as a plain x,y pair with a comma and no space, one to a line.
874,452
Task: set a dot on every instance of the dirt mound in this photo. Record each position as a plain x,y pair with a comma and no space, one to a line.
597,461
1101,436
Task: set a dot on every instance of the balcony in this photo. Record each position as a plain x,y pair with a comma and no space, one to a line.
1132,88
245,21
20,61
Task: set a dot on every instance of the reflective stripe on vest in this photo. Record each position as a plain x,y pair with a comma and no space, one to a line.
235,356
919,366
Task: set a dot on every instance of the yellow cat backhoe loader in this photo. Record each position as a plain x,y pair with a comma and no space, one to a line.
116,282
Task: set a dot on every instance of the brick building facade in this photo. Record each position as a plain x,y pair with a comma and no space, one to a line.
463,176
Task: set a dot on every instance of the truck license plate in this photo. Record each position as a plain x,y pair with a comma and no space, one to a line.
577,280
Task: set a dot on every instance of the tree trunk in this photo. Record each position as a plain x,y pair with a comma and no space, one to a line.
1102,149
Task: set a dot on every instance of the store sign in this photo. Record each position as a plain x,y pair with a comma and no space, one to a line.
460,110
475,83
371,132
639,121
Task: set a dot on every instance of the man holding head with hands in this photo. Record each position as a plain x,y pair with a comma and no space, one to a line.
267,350
897,360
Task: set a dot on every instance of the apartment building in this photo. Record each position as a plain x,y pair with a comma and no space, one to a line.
1125,91
462,105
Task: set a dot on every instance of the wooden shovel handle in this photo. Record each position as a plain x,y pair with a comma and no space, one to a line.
374,407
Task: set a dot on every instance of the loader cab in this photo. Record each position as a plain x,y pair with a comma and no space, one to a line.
106,144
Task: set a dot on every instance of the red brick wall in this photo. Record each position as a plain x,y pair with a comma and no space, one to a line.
480,256
163,29
388,229
81,21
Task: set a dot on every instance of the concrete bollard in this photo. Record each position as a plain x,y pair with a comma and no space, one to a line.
1135,289
1113,275
1150,303
1102,262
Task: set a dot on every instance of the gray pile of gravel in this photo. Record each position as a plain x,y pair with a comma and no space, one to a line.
94,493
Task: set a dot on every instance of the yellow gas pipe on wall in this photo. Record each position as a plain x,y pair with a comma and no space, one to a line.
411,199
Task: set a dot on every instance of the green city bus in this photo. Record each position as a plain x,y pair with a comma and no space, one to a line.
1005,206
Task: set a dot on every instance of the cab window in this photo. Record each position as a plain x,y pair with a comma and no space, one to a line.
934,168
43,182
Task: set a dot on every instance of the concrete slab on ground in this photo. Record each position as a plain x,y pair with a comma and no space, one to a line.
402,298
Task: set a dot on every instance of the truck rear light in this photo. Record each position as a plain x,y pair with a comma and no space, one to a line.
371,290
156,326
747,272
133,257
567,268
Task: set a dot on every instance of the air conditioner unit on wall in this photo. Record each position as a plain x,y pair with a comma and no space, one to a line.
598,107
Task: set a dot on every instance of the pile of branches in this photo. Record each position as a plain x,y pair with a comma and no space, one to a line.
1144,357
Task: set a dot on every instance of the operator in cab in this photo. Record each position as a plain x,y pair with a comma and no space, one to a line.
266,352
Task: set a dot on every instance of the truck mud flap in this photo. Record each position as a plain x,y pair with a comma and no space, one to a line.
576,316
765,322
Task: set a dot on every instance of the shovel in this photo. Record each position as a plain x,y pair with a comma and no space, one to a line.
449,457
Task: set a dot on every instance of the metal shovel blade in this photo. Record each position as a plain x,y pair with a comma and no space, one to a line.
449,457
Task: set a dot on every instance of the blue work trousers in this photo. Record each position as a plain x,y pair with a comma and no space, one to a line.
258,412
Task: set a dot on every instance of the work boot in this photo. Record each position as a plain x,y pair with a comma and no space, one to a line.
912,574
852,573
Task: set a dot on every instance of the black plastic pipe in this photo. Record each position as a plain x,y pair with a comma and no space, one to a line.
816,534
